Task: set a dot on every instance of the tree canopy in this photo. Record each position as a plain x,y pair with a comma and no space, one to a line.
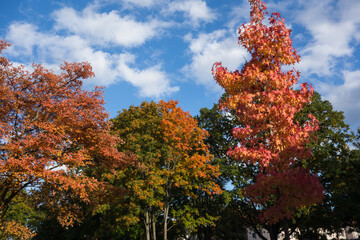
51,130
265,103
175,162
271,155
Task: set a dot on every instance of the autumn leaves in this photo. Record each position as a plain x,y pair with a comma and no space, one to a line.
51,132
265,102
58,146
175,162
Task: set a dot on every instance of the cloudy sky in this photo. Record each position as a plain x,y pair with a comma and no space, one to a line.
164,49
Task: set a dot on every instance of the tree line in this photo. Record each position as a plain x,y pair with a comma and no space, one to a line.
267,156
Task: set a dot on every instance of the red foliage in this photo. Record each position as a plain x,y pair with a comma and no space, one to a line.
265,102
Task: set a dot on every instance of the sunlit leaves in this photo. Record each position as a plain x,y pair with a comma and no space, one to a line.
173,159
51,131
185,141
265,102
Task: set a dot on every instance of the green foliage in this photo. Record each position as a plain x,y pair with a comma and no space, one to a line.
102,226
22,210
173,165
220,124
336,165
139,127
22,217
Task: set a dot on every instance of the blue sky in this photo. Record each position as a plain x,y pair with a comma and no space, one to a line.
161,49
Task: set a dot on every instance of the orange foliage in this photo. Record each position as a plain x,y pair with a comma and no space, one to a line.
14,230
189,158
50,130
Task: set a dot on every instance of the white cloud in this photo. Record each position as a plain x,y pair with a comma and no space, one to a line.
107,28
239,14
22,35
51,50
195,10
345,97
152,82
332,37
128,4
206,49
141,3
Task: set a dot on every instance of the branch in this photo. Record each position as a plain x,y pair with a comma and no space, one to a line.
252,224
12,195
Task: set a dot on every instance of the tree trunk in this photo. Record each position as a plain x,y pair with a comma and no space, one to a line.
273,236
147,224
286,229
154,226
274,231
208,233
166,214
260,234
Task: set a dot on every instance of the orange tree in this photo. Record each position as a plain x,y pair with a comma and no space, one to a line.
187,164
174,163
265,102
51,132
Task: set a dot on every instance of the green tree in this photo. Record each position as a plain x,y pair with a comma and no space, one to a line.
174,163
357,140
22,216
220,125
338,168
334,161
139,127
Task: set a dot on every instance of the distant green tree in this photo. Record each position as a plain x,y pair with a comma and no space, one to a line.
357,140
229,225
334,162
22,216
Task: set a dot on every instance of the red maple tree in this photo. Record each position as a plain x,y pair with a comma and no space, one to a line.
263,97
